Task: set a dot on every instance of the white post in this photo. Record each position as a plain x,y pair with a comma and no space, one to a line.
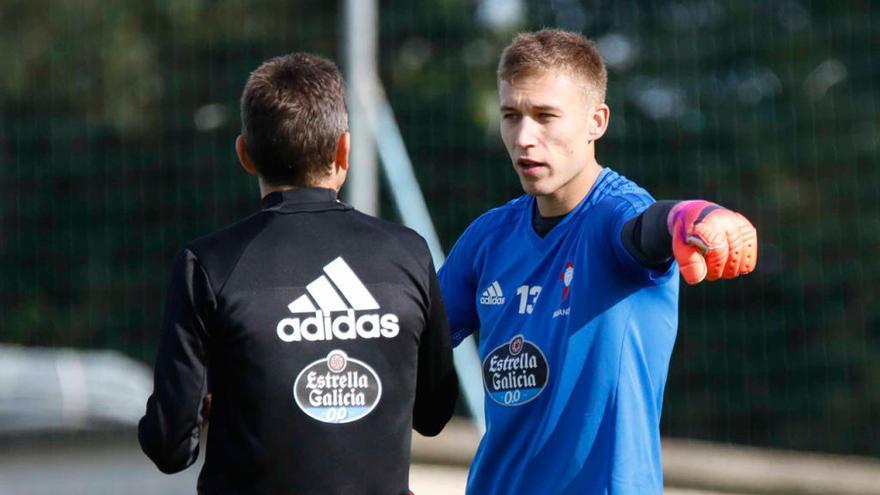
360,37
371,121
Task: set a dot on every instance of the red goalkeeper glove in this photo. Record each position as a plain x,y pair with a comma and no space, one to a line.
711,242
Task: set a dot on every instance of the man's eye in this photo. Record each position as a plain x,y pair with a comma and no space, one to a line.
510,116
546,116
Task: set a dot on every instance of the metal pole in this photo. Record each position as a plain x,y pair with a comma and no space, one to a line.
407,196
360,35
371,121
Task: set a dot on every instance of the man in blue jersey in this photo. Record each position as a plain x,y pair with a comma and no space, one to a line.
574,288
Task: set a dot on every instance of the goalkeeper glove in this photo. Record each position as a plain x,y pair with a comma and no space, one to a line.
711,242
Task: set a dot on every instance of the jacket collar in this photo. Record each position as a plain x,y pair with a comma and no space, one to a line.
303,199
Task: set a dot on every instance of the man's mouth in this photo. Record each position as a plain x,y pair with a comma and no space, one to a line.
528,163
527,166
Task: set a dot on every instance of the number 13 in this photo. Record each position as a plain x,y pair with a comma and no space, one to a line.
524,291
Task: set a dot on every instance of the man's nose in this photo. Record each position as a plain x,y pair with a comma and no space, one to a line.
526,133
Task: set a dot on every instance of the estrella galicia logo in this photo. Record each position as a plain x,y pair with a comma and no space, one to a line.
337,389
515,372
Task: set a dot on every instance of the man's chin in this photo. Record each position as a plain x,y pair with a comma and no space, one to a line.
535,188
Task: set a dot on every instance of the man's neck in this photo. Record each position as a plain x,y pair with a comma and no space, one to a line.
567,197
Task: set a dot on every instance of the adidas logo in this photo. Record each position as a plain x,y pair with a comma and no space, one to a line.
339,290
493,295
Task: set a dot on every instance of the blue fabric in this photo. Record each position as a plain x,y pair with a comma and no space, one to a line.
574,367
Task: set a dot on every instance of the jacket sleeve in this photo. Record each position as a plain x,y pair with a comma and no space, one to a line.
437,383
169,431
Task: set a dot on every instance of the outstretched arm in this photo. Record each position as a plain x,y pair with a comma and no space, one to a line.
707,240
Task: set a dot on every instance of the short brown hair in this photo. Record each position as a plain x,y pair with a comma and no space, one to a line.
553,50
292,114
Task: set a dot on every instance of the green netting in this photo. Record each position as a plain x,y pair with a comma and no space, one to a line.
118,120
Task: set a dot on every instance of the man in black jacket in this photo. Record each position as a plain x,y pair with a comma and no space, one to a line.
315,333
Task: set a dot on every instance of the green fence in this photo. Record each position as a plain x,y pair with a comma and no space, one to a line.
118,120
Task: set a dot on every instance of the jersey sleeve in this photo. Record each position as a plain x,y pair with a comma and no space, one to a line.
458,285
169,431
437,383
626,208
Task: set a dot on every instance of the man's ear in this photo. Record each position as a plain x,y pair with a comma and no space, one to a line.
243,156
599,121
343,147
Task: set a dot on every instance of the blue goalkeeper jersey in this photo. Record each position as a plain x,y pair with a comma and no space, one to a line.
575,338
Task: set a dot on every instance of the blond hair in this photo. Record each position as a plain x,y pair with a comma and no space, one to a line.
530,54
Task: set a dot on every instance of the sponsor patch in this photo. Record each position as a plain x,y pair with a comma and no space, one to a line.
337,305
337,389
515,372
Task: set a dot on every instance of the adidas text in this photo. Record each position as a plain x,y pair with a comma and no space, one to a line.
322,326
492,296
492,300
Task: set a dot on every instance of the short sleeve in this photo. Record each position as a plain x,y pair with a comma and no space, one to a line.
458,285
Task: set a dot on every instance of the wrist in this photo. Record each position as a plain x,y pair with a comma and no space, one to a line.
673,214
682,209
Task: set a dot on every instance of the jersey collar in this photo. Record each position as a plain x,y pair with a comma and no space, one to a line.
303,199
595,193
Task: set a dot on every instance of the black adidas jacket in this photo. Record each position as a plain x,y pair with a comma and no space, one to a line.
320,333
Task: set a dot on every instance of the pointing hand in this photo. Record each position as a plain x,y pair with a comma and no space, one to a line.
711,242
